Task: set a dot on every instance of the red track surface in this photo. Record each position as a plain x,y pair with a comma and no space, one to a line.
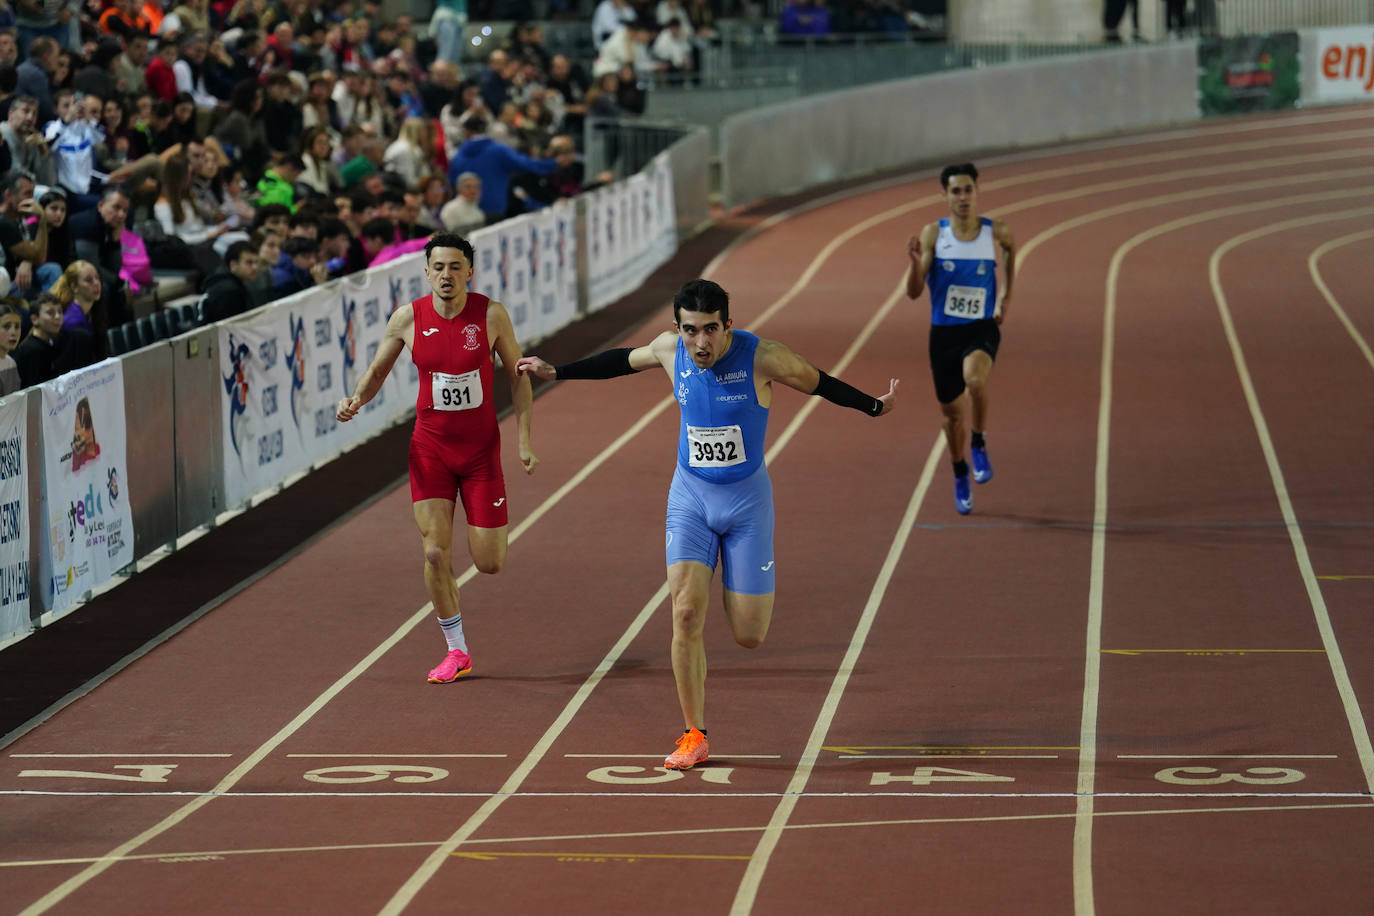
1130,682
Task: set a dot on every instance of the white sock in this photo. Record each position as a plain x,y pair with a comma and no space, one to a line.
453,633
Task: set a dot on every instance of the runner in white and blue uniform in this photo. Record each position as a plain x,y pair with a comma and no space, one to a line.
957,257
720,504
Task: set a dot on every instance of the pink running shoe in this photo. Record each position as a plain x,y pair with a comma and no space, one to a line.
691,750
456,664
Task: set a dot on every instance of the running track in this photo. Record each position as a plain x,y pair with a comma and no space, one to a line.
1135,680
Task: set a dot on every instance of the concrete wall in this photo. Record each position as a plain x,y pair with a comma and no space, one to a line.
805,142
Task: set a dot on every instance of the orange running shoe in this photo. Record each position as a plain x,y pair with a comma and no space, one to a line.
691,750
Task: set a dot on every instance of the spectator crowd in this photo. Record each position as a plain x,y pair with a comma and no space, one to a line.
261,147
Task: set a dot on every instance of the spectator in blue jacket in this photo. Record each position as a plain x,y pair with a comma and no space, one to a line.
494,163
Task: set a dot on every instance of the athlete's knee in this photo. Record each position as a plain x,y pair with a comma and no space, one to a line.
751,639
975,382
490,565
436,555
688,619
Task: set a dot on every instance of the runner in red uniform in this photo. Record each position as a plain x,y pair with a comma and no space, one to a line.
455,450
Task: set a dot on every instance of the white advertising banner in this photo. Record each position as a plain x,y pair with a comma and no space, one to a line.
14,518
518,247
1344,66
264,365
602,257
555,267
664,209
90,533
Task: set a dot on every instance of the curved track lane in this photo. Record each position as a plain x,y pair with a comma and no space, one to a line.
1131,681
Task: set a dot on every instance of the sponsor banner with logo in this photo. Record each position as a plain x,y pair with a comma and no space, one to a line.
555,264
518,247
1248,73
89,526
265,367
392,285
285,372
605,255
631,232
14,519
1344,70
488,268
663,231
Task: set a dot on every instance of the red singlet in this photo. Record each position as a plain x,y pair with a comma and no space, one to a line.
456,445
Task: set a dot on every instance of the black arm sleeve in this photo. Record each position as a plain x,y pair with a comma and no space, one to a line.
606,364
837,392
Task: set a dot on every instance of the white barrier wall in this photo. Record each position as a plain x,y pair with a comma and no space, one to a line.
1338,65
799,144
14,516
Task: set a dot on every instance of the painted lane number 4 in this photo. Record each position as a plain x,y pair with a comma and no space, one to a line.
924,776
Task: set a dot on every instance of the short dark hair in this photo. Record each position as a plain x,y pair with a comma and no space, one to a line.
303,218
297,245
473,125
701,296
961,168
270,211
378,228
449,240
333,227
237,250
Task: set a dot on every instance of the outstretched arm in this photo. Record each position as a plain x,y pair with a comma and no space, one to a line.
775,362
508,348
606,364
393,342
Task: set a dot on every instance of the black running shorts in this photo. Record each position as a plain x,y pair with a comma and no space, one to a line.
949,344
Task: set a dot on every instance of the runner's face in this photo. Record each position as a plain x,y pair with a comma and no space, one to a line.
704,335
448,272
962,195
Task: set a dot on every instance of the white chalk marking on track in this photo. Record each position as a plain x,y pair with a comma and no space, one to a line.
122,851
1340,675
1322,288
1083,825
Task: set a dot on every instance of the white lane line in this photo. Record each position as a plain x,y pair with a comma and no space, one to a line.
640,794
1341,316
700,831
406,893
399,756
748,889
143,755
1340,675
1227,757
715,757
1083,822
76,881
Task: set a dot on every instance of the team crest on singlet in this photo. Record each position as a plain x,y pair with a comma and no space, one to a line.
471,334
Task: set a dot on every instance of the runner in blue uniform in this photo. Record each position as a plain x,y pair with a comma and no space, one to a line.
720,504
966,312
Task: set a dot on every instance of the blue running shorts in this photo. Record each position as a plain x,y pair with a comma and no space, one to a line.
733,521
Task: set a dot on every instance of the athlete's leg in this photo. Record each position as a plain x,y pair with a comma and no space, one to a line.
689,582
956,430
434,518
488,548
749,617
977,369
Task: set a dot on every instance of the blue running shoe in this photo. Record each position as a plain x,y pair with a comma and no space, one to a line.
963,496
982,467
